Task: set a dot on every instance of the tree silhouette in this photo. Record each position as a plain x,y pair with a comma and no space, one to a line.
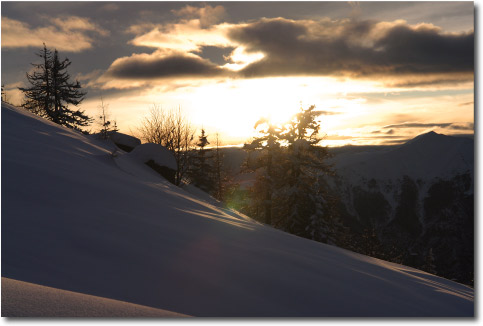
268,142
51,92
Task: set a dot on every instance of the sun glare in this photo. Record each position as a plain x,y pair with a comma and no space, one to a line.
353,112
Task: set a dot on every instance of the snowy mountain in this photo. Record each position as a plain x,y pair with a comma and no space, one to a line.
77,218
427,156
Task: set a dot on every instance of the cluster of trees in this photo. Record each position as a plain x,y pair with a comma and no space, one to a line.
290,166
289,192
195,163
51,91
207,170
171,129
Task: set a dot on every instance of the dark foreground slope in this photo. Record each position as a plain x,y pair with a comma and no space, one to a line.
76,218
22,299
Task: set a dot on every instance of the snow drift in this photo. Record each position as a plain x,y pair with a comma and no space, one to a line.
21,299
74,219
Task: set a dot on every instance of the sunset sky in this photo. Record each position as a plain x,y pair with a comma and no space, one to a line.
379,72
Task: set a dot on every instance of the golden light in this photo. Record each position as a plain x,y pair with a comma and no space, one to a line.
353,110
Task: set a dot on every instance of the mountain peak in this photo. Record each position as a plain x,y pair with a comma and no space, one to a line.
427,137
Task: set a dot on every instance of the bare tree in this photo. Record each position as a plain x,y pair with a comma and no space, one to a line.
171,129
104,122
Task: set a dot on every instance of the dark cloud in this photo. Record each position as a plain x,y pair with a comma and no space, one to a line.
426,50
401,55
385,137
153,67
464,126
355,48
466,103
394,142
418,125
454,126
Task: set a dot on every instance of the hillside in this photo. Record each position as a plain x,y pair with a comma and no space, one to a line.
21,299
76,218
410,203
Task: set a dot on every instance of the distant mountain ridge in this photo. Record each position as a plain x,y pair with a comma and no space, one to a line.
425,156
413,197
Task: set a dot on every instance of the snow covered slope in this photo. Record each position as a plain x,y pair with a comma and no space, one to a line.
73,219
22,299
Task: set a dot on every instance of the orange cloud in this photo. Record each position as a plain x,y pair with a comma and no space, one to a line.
65,34
207,16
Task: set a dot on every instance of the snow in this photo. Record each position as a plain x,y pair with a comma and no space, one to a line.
159,154
22,299
124,139
75,218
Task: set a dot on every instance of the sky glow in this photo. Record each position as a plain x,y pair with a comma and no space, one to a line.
366,65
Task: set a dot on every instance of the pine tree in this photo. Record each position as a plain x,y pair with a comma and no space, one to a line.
38,97
305,207
269,143
51,92
201,171
65,93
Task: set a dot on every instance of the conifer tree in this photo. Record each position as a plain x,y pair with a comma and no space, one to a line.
51,92
305,206
201,171
269,143
65,93
38,97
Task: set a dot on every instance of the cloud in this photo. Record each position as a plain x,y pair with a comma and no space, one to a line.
74,23
187,36
110,7
418,125
65,34
353,48
448,125
328,112
159,65
207,16
396,53
463,126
